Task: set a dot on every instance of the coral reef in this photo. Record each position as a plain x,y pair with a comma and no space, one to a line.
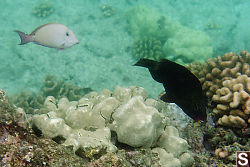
6,111
58,89
43,9
178,41
214,146
107,10
20,147
147,48
99,123
171,141
140,129
31,101
143,22
225,143
137,157
221,153
170,146
226,82
192,44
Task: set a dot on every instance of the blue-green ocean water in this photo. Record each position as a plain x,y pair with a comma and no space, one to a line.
102,59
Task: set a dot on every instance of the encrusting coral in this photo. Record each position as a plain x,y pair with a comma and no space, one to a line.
125,115
226,82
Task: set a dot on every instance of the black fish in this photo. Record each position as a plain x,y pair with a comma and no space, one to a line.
181,86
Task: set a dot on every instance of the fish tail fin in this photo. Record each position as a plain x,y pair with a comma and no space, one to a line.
25,38
150,64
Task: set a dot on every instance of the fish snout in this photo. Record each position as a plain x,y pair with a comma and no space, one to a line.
75,41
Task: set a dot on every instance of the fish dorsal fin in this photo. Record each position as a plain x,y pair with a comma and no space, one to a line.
34,32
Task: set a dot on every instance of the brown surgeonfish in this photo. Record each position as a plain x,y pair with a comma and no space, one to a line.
182,87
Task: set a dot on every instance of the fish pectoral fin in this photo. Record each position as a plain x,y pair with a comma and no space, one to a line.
61,47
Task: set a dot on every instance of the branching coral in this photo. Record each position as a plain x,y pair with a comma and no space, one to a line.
58,89
147,48
226,82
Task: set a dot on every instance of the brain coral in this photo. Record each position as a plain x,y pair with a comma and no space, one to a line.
226,82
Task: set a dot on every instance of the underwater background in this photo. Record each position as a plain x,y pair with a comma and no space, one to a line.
103,59
113,36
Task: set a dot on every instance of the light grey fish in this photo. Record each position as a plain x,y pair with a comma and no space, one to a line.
53,35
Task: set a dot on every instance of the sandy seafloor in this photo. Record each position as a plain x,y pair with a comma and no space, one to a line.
102,59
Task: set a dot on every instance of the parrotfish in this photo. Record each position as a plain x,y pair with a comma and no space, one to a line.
182,87
53,35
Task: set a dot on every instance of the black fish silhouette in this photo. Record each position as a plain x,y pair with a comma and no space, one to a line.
181,86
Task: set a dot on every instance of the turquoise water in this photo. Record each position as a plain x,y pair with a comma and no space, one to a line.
103,58
113,35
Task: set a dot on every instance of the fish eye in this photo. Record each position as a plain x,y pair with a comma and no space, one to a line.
67,33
